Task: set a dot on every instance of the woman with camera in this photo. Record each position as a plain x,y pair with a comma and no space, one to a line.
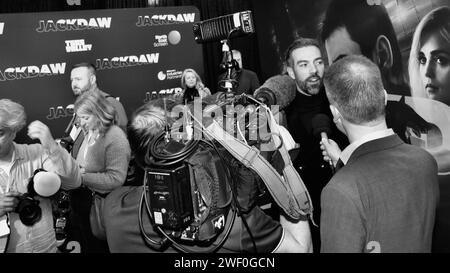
103,159
18,162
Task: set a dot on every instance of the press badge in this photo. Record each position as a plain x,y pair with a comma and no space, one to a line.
74,132
4,227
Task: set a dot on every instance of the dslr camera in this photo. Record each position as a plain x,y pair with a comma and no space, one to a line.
42,183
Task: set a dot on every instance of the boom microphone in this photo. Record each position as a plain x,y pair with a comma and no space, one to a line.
321,127
277,90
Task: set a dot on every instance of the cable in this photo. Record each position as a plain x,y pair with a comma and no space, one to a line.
161,159
150,241
211,250
234,194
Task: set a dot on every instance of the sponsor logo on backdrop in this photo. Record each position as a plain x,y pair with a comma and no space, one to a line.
173,38
162,76
127,61
32,71
161,93
2,26
60,112
169,74
165,19
77,46
160,40
74,24
373,2
74,2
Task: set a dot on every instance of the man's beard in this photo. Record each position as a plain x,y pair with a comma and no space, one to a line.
79,91
311,88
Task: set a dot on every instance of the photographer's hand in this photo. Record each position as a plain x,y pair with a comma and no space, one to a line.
8,202
38,130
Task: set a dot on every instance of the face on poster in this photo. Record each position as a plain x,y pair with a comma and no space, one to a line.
382,31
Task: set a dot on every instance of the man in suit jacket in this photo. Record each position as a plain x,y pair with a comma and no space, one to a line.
384,197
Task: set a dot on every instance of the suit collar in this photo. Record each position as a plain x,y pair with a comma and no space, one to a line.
375,145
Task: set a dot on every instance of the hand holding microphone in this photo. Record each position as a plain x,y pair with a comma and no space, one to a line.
330,150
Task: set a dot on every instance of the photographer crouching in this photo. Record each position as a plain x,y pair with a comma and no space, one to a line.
26,220
191,196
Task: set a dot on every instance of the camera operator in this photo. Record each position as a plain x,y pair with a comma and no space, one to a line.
17,165
247,80
122,205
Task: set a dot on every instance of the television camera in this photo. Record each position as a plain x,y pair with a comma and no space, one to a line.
208,161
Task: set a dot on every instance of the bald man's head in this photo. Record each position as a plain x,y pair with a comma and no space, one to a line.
354,86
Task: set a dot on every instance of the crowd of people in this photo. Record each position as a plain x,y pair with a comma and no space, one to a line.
370,187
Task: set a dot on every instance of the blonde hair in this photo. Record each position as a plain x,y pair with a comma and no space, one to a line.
12,115
198,85
437,19
94,103
148,121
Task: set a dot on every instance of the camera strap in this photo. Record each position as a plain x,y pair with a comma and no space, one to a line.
288,190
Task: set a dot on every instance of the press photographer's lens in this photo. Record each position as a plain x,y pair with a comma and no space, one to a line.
28,210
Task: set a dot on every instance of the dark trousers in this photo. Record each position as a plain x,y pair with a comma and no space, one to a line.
315,178
79,225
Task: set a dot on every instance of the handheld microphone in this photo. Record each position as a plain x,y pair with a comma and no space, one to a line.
277,90
321,127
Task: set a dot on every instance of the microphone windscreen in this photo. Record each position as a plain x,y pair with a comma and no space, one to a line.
46,183
281,87
321,124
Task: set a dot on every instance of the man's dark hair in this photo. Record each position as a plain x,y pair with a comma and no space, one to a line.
365,23
89,66
353,84
299,43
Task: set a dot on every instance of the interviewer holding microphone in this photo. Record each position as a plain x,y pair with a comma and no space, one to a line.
17,165
384,197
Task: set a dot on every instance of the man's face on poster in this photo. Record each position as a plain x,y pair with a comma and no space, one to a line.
339,44
307,68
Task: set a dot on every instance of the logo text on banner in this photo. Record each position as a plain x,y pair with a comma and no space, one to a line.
126,61
74,24
160,40
32,71
170,74
74,2
162,93
165,19
77,46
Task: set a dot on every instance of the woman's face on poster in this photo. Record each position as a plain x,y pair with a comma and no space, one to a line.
434,66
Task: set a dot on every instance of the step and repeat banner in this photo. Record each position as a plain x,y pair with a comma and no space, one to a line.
138,53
